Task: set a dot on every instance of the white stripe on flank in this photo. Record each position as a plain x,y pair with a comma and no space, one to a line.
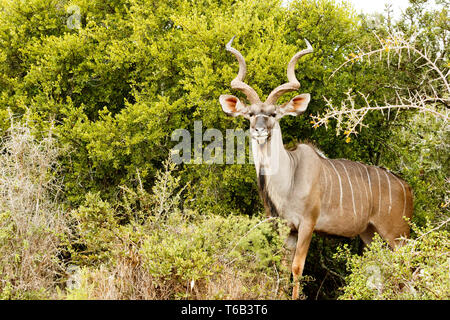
390,195
351,188
359,193
365,188
326,181
331,185
340,187
404,194
370,183
379,191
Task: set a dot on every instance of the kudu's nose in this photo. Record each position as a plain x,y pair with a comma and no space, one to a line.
260,126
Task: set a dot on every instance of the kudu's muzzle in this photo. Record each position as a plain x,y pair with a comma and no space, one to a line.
261,132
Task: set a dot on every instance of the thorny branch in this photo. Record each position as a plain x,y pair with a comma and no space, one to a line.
349,117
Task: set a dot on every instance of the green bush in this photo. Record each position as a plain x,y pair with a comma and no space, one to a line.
174,252
418,270
418,149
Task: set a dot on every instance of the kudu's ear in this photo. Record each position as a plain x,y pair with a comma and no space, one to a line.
232,106
296,106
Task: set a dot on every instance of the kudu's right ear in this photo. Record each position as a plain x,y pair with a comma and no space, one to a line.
232,106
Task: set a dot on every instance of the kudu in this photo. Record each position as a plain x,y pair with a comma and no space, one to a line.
311,192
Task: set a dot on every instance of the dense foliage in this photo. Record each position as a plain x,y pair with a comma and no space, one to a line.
414,271
90,93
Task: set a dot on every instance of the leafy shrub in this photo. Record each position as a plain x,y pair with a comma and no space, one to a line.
165,252
419,151
417,270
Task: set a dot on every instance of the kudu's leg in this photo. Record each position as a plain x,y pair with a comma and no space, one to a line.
366,237
291,245
305,232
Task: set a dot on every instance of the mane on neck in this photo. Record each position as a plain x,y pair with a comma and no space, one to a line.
262,187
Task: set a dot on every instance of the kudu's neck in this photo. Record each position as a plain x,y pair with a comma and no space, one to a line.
273,161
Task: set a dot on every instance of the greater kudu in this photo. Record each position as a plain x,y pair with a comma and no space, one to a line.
313,193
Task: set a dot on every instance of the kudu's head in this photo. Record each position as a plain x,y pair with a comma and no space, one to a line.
264,115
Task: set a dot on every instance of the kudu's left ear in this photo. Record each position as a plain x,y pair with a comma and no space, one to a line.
296,106
232,106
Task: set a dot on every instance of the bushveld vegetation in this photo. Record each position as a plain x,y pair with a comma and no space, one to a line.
91,207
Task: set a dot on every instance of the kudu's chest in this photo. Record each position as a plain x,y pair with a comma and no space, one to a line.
279,201
293,191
